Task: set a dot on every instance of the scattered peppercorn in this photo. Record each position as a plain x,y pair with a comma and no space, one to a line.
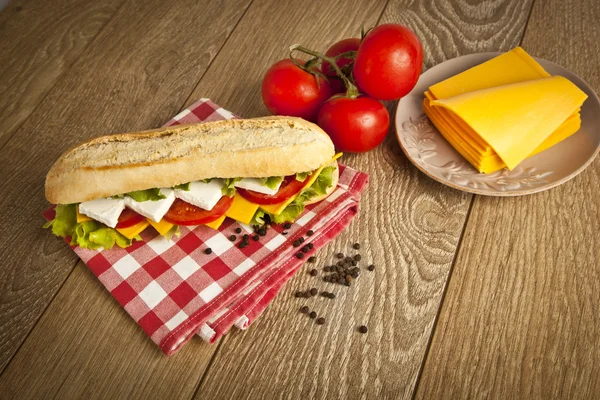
313,291
238,230
301,240
287,225
299,294
371,267
320,320
357,257
256,238
304,309
362,329
208,250
339,255
312,259
312,315
309,233
242,245
296,243
300,255
313,272
305,249
310,245
246,237
284,233
356,246
331,295
262,231
232,238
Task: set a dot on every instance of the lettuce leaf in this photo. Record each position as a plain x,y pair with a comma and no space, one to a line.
301,176
295,208
173,231
272,182
228,189
65,220
147,195
183,186
89,234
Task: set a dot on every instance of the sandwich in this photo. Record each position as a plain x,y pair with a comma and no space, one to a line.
110,189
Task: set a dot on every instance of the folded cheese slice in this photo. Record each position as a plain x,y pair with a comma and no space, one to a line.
515,119
515,66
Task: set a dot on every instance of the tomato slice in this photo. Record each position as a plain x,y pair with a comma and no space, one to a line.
289,187
129,218
182,213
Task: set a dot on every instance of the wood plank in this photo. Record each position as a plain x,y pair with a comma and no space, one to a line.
38,44
87,346
520,319
136,74
409,225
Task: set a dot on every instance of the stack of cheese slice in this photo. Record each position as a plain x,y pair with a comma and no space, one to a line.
502,111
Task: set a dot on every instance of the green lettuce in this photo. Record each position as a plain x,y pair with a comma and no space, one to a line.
295,208
147,195
301,176
271,182
89,234
228,189
183,186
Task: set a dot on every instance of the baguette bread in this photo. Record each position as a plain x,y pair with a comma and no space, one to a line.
165,157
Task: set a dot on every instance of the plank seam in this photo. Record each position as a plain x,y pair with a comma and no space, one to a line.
444,291
4,141
210,363
186,102
11,358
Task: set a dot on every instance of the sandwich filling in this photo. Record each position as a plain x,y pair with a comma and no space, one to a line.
119,220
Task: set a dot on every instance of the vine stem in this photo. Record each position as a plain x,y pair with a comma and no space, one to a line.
351,89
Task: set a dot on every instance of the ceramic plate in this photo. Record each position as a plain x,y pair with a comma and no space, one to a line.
427,149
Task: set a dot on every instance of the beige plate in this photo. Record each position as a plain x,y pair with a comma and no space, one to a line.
427,149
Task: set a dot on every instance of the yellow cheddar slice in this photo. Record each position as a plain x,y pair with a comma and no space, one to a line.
511,67
515,119
241,209
216,223
80,217
161,227
133,231
277,209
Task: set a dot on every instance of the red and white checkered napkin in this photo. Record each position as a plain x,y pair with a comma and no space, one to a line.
173,289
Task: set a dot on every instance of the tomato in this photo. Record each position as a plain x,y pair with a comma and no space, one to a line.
343,46
289,187
289,90
129,218
388,62
354,124
182,213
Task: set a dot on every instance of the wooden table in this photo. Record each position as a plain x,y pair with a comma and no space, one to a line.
472,296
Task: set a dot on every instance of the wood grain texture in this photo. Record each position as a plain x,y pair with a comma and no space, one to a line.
409,226
520,319
38,44
136,74
87,347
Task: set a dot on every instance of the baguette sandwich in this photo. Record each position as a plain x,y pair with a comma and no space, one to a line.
110,189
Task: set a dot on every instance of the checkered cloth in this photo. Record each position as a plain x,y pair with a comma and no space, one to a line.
172,289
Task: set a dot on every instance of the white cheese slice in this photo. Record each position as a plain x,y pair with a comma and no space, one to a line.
106,211
256,185
203,195
154,210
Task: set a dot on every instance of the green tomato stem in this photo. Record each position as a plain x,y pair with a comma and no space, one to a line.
351,89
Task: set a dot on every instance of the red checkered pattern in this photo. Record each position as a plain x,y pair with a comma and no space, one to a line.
172,289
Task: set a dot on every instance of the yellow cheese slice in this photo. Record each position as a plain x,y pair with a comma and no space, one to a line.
134,230
216,223
241,209
515,119
491,161
80,217
277,209
162,227
511,67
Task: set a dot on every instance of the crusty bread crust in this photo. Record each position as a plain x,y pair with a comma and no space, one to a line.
260,147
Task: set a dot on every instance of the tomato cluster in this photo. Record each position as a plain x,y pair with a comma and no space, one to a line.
343,95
